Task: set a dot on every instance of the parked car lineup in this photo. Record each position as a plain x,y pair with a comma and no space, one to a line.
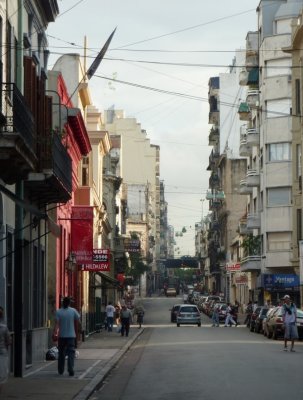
266,320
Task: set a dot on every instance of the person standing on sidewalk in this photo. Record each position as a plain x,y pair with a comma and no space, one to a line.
5,341
289,315
110,312
126,318
66,319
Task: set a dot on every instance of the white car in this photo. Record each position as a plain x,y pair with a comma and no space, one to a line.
188,314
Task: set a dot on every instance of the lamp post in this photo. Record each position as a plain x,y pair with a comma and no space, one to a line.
71,262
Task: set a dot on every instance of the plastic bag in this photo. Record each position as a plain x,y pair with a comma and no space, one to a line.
52,354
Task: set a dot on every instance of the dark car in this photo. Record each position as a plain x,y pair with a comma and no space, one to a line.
253,318
258,328
174,312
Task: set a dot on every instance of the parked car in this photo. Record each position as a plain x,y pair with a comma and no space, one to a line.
275,327
253,318
300,323
266,319
173,312
188,314
171,292
259,319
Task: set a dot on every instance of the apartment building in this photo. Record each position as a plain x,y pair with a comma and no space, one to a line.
268,145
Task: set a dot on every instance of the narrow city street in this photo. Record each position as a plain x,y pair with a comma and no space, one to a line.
208,363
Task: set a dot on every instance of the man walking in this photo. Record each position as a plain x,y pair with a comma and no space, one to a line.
110,312
125,317
229,321
64,331
289,313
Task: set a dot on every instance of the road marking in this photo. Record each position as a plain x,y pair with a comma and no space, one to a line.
89,369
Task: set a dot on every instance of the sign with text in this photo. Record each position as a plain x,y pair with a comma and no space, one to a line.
82,233
280,281
100,261
233,267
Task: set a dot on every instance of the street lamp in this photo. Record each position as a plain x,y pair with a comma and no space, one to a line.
71,262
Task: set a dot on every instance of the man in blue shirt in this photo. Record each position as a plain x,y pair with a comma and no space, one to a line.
289,315
64,331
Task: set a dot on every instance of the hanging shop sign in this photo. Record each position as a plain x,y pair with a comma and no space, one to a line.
100,261
82,233
233,267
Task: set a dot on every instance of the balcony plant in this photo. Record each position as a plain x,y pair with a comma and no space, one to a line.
251,245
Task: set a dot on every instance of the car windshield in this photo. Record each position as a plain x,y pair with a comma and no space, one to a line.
264,311
188,309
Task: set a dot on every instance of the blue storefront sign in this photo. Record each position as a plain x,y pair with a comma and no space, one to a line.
280,281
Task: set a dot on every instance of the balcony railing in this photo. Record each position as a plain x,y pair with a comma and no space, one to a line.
253,178
244,148
253,137
251,263
253,221
244,189
52,182
252,98
18,135
213,137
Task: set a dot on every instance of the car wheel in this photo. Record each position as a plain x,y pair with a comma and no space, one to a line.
199,325
178,325
269,335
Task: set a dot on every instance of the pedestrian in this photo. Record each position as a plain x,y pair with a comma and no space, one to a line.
248,312
185,298
139,311
289,315
117,313
255,306
5,341
215,316
126,318
64,331
110,312
229,321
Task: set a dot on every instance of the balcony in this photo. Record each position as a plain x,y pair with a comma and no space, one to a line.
253,221
253,77
243,77
52,182
252,98
253,178
244,149
244,112
243,230
251,263
214,181
244,189
252,50
215,195
213,137
213,160
253,137
17,136
213,117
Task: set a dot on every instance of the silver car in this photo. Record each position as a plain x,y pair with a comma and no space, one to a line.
188,314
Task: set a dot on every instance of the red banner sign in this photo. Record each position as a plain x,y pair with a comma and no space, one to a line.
233,267
82,233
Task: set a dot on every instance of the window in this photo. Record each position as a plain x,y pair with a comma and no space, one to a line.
85,171
278,197
298,97
298,161
279,152
278,241
299,224
278,108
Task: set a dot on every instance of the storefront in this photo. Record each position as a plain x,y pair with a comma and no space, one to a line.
275,286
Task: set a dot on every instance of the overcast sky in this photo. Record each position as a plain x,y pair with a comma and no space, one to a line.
199,38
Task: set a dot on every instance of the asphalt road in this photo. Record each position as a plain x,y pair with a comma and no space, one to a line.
170,363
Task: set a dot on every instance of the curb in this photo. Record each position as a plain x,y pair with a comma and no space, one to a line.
89,389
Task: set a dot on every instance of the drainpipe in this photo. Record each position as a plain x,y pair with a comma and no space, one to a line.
18,264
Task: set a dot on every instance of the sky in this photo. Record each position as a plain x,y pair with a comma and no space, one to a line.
157,69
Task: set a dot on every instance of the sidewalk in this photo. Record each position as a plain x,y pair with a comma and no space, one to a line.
97,356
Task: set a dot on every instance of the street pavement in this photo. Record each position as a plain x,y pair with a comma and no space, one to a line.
98,354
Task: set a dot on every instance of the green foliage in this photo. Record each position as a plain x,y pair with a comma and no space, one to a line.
251,245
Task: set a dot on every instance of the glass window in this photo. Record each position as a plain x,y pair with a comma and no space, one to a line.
279,152
279,196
